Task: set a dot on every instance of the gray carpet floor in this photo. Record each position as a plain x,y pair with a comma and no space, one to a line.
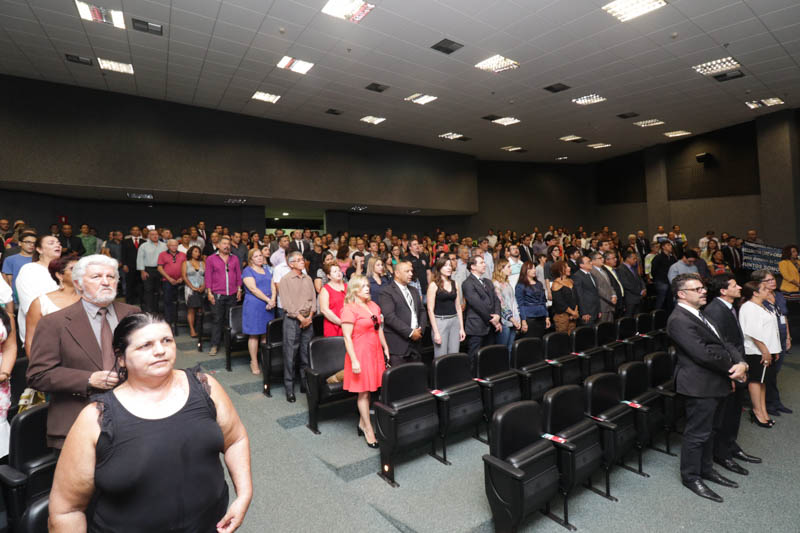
328,482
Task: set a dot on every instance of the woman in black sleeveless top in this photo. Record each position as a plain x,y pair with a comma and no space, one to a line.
144,457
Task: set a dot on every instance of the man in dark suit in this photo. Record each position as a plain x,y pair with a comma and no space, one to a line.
70,244
721,311
609,266
659,271
632,283
573,254
608,297
298,244
71,354
482,312
706,366
735,260
642,245
525,250
404,317
586,292
133,281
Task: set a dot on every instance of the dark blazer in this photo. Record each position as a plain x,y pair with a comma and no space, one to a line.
397,318
129,252
573,267
725,322
307,248
64,353
586,294
481,302
703,357
525,253
619,309
642,247
633,285
727,253
72,243
605,290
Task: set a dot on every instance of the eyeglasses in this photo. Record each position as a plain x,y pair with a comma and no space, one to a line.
698,290
375,323
28,242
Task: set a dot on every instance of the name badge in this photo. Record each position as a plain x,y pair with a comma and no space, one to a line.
783,319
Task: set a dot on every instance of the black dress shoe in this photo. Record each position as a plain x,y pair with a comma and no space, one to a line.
774,412
746,457
716,477
730,464
290,397
783,409
698,487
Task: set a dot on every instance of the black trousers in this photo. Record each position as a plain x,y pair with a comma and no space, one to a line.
474,343
702,416
728,430
411,356
295,342
536,328
133,287
151,287
222,304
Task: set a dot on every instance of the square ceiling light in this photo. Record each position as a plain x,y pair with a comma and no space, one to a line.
421,99
649,123
94,13
625,10
295,65
513,149
677,133
571,138
352,10
446,46
506,121
589,99
114,66
598,146
769,102
266,97
497,63
369,119
450,136
717,66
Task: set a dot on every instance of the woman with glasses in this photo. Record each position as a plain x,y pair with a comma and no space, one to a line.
367,351
776,304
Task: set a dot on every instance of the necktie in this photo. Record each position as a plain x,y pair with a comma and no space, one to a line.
105,340
735,314
136,242
708,324
591,278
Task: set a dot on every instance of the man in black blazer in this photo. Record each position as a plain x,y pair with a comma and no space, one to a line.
706,366
609,267
482,312
70,244
133,281
525,250
632,283
404,318
573,254
721,311
586,292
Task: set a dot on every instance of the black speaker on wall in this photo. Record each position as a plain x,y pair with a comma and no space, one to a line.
704,157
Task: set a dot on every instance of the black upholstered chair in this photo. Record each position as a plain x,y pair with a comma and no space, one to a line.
558,347
325,358
520,470
34,519
592,358
636,388
405,416
31,464
660,378
563,416
460,404
659,327
626,332
527,358
644,328
426,351
500,385
604,402
18,385
272,353
233,336
616,350
318,323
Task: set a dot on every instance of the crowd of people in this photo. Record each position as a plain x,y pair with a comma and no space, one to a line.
62,299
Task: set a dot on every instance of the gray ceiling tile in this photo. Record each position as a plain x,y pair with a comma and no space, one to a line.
292,12
726,16
239,16
55,18
149,40
187,36
782,18
17,10
189,19
225,46
206,8
147,10
55,32
24,25
762,7
752,43
693,44
121,47
234,33
144,52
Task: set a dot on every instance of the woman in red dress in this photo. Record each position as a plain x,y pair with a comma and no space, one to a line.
331,301
367,351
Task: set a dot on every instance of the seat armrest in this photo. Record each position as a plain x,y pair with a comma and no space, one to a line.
604,424
503,467
484,383
666,393
11,477
566,446
380,406
443,409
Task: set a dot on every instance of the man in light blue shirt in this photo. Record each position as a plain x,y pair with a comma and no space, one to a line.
685,265
13,263
487,258
147,265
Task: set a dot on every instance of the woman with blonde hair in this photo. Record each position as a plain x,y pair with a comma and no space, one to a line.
376,274
258,304
509,310
366,350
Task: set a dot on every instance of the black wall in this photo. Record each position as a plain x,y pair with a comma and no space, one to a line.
732,170
357,223
621,180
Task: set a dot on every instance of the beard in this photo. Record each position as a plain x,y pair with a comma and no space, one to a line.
101,298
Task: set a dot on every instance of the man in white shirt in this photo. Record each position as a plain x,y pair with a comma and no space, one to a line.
660,234
492,238
516,264
486,253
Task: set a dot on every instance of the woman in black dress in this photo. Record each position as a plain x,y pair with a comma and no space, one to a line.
145,455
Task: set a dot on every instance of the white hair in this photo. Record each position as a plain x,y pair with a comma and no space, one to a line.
80,267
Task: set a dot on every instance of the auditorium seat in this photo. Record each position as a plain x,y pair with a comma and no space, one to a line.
325,358
34,520
626,333
520,471
31,464
659,325
459,404
272,351
660,378
405,416
500,385
537,376
318,324
616,351
592,358
644,328
558,347
233,336
636,388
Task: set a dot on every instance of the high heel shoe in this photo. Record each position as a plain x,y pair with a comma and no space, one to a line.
754,420
361,434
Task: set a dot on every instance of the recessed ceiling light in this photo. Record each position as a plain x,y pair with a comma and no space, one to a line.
451,136
94,13
421,99
414,211
377,87
562,158
286,214
295,65
597,146
556,87
569,138
147,27
718,65
625,10
772,101
369,119
589,99
266,97
139,195
630,114
511,148
235,201
506,121
352,10
446,46
677,133
358,208
754,104
79,59
497,63
648,123
276,218
107,64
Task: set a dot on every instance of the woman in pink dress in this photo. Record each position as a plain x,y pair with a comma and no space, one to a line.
367,351
331,301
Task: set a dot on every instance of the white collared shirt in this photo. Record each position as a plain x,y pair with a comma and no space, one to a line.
410,303
696,312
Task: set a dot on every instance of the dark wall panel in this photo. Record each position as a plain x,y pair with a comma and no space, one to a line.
621,180
732,170
421,225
